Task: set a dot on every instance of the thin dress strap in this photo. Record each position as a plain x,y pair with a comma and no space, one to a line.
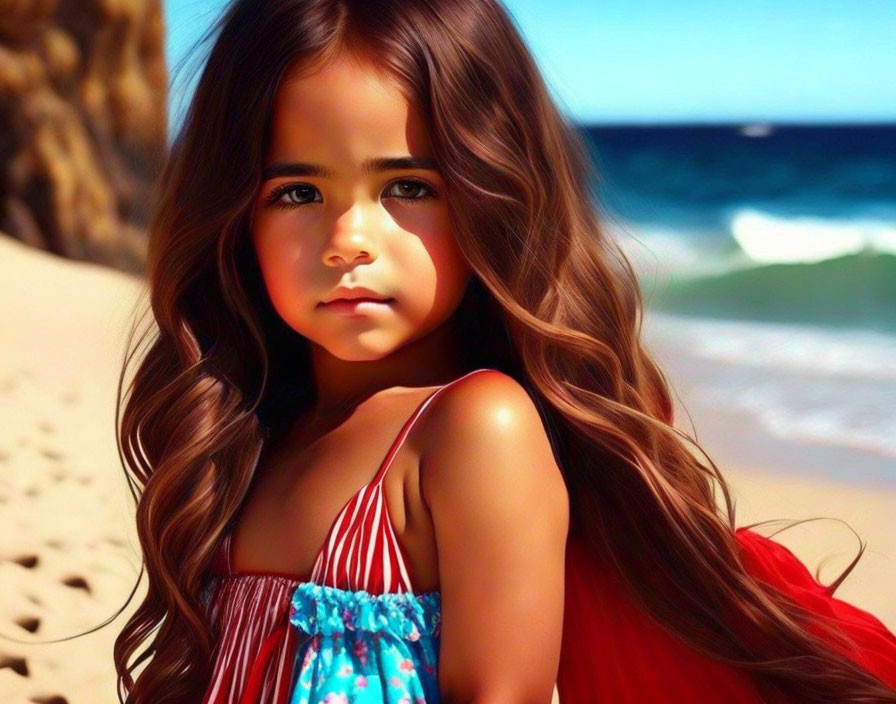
364,526
409,424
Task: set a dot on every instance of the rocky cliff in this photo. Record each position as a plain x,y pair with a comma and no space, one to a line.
83,125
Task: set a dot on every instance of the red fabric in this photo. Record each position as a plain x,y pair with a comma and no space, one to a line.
613,651
254,657
252,692
875,645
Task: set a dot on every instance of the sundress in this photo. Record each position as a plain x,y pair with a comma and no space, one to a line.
354,630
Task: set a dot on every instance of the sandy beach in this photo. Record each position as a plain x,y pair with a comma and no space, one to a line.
69,555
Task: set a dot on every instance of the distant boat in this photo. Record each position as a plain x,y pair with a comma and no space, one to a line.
759,129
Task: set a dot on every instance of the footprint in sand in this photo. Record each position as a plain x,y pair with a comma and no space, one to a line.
30,560
29,623
15,663
77,582
51,453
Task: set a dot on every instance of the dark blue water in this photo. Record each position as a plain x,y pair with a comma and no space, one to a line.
703,172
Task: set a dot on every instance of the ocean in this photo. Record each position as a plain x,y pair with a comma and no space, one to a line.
767,257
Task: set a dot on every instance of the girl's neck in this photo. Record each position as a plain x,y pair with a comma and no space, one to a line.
341,385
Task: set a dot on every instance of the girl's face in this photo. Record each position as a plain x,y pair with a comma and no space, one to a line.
333,212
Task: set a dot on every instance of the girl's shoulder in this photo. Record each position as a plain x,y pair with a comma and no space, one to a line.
482,392
485,430
488,400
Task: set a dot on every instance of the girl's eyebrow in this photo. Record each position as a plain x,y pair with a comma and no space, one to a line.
301,168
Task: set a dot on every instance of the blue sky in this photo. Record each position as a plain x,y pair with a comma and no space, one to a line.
635,61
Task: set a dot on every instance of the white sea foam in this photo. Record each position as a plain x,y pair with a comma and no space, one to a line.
769,238
811,383
790,346
662,250
832,419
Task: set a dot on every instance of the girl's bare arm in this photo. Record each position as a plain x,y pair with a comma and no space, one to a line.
500,510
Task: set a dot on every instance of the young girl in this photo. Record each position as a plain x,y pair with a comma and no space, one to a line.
397,438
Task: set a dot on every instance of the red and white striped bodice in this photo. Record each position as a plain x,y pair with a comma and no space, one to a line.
256,648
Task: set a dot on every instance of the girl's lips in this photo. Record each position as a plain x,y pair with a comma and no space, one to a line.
358,306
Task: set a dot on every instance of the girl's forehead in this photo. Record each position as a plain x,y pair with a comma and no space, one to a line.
347,102
343,74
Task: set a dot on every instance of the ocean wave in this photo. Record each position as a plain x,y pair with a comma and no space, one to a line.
769,238
855,289
749,238
663,250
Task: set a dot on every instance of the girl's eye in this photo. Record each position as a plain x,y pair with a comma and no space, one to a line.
415,187
292,195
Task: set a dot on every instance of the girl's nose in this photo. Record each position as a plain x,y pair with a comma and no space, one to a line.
353,236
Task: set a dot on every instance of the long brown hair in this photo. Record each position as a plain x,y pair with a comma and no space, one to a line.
553,302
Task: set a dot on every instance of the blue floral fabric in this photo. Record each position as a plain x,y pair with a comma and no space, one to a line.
365,648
